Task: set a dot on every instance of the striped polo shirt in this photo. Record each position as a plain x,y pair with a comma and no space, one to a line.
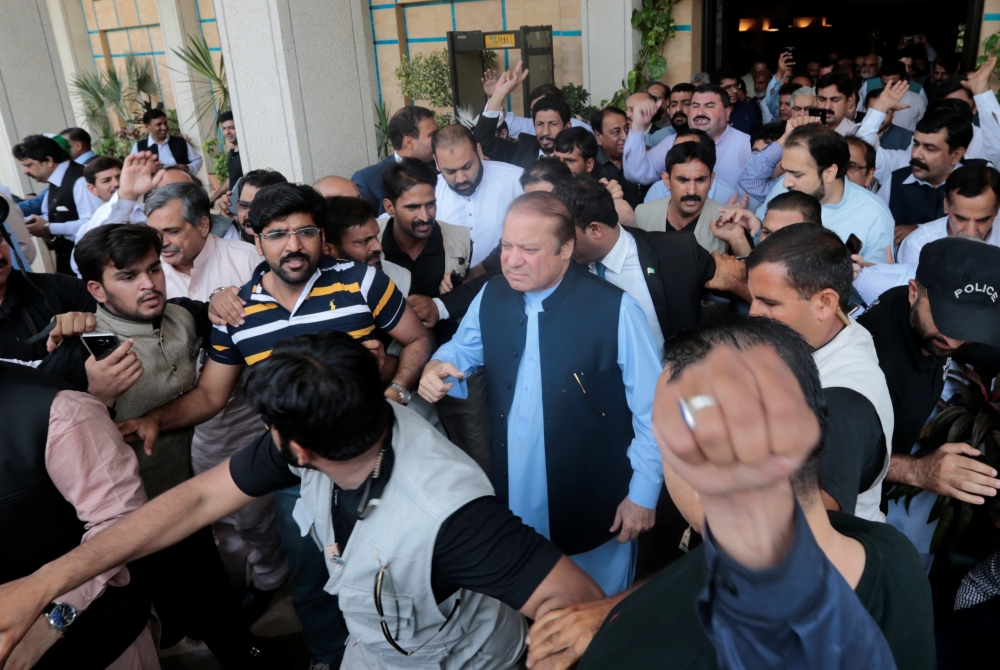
341,295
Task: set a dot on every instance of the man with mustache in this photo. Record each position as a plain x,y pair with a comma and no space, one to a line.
912,180
473,193
918,329
195,263
710,109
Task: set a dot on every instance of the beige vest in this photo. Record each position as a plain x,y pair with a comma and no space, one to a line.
652,216
431,479
169,356
457,246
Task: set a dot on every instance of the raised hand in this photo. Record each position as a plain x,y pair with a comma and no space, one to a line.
979,81
891,96
795,122
141,173
642,114
489,82
507,84
785,63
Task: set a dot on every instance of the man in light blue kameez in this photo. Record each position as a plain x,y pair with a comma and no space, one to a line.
571,368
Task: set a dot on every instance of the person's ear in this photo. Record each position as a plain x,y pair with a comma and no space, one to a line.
914,291
957,155
389,209
827,301
595,231
830,174
97,291
590,165
204,226
93,190
256,243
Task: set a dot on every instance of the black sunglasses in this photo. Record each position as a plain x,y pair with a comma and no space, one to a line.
384,570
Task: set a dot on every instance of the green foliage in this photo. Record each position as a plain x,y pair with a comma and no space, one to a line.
444,119
105,93
213,90
576,98
972,416
991,47
214,150
656,26
427,78
489,59
382,130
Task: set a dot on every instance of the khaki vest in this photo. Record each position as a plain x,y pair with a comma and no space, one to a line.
431,479
457,246
652,216
849,361
169,356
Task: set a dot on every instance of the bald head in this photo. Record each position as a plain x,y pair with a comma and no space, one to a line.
177,177
332,186
449,136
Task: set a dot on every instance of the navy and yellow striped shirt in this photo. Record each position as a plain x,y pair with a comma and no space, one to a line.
341,295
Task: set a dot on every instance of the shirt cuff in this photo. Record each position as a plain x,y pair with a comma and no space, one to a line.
777,593
492,113
62,229
644,492
442,310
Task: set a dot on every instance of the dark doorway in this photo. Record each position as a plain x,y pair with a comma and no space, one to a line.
736,32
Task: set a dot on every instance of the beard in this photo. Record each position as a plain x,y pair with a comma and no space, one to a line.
679,121
930,343
293,277
820,192
468,188
135,313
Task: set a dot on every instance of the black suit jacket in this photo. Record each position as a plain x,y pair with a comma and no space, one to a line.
520,153
675,267
369,182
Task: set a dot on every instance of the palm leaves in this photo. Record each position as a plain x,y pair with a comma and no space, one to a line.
109,100
198,57
382,131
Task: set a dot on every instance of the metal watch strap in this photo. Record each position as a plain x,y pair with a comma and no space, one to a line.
404,393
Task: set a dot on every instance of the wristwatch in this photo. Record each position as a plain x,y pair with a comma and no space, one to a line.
404,394
60,615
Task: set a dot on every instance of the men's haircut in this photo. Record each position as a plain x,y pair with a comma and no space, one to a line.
769,132
807,206
843,82
546,91
718,90
225,116
324,392
866,149
550,207
278,202
686,152
577,138
557,105
683,87
548,170
803,90
38,148
788,89
588,201
970,181
406,123
814,259
151,114
725,73
77,135
398,178
597,118
120,244
824,145
953,104
694,132
692,345
195,204
699,78
263,177
894,67
183,169
958,126
872,95
950,61
951,85
344,212
448,136
99,165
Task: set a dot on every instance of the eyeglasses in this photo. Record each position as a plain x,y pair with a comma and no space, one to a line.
854,166
379,579
307,233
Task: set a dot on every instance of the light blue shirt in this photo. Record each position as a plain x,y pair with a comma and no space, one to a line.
84,157
860,212
640,364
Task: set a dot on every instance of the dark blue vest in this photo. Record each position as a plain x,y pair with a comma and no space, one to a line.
918,203
178,147
587,434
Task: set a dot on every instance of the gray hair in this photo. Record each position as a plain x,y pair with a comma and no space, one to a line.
701,78
193,197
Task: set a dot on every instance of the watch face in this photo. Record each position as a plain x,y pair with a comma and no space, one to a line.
63,614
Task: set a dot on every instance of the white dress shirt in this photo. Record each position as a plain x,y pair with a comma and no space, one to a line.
114,210
845,127
623,269
165,156
732,151
909,248
875,280
483,211
907,118
519,124
85,201
84,157
220,263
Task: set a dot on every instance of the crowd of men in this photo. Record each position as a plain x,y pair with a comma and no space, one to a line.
468,401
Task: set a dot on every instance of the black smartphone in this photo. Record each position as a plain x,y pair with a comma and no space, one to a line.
821,113
100,344
854,244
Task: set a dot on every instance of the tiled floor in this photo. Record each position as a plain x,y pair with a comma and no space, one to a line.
279,626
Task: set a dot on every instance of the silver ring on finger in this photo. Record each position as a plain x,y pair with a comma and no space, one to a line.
690,406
